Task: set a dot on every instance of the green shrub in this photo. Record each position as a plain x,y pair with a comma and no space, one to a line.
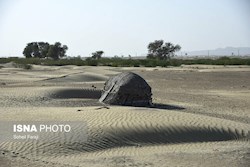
23,66
4,60
27,67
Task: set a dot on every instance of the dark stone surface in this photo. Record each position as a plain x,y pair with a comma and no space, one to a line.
127,89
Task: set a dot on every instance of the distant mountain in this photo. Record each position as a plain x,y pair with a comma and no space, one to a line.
228,51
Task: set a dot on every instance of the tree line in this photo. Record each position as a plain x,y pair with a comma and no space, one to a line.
156,50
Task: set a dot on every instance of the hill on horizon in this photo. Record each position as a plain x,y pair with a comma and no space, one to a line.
227,51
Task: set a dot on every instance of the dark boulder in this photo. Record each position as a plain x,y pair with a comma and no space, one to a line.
127,89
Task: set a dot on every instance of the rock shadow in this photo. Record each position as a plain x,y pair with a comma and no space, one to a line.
166,106
76,93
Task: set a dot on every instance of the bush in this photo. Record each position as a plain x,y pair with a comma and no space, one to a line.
27,67
91,62
4,60
23,66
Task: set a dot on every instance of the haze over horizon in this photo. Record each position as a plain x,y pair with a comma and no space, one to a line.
123,27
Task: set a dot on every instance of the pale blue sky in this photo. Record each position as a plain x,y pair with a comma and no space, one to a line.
123,26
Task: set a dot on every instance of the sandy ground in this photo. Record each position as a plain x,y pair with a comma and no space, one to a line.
201,117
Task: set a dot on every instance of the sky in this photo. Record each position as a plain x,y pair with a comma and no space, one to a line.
123,27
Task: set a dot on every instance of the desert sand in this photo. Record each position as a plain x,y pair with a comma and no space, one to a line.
201,117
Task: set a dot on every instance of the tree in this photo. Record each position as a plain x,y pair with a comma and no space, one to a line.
27,52
57,51
159,50
44,49
52,52
36,49
97,54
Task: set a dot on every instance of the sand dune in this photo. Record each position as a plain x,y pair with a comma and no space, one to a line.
122,127
88,77
184,128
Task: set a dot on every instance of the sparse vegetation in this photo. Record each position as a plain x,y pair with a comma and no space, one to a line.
159,54
24,66
120,62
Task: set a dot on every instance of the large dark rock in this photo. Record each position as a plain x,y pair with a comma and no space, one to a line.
127,89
